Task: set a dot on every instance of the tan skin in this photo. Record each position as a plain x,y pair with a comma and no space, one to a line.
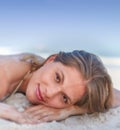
56,105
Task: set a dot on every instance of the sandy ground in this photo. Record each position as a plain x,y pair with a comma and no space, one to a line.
102,121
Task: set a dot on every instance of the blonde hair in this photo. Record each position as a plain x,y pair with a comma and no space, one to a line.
99,90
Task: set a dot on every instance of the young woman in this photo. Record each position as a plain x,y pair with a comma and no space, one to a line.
64,84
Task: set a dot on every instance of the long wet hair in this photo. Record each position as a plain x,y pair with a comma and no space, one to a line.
99,91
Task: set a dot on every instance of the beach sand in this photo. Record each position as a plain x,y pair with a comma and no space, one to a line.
97,121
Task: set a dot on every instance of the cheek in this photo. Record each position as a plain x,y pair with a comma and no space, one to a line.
41,75
77,93
29,95
55,103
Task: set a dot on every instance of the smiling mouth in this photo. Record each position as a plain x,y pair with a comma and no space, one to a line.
38,93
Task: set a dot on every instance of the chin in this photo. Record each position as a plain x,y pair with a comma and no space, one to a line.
30,98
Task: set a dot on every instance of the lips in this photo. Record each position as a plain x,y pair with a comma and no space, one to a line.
38,94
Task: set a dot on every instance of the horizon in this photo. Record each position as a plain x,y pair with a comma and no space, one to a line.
64,25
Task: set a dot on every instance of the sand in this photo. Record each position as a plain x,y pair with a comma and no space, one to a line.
97,121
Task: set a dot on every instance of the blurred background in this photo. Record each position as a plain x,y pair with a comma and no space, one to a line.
49,26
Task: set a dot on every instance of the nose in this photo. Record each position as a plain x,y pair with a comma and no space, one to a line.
53,91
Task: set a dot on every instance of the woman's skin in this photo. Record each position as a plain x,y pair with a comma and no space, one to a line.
55,85
54,89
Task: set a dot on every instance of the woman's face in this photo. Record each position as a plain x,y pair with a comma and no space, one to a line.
55,85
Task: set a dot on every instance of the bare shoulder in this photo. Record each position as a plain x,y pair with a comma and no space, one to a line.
26,57
31,57
10,64
12,69
8,67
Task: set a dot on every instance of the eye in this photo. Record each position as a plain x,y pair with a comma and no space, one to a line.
57,78
65,99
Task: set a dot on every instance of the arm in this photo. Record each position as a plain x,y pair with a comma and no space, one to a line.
8,112
44,114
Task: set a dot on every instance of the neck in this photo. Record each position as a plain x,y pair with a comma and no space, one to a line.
25,82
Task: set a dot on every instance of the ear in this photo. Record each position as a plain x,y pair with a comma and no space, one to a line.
50,58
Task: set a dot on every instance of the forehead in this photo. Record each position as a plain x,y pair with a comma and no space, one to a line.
71,72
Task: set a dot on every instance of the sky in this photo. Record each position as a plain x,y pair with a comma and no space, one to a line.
60,25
